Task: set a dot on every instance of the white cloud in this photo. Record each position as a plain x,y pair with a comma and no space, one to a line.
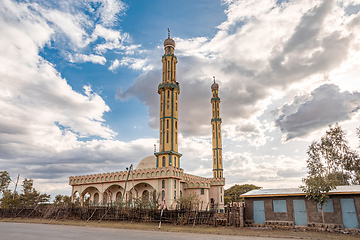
97,59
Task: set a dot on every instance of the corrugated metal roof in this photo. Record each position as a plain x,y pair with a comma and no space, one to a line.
350,189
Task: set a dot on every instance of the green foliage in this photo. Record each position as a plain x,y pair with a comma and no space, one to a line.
29,197
333,158
62,200
4,181
330,163
190,201
233,193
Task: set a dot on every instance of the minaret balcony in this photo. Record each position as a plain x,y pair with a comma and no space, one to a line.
168,85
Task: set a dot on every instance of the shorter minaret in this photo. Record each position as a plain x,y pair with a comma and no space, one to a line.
216,132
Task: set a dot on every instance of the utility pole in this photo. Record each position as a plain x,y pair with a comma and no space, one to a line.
17,180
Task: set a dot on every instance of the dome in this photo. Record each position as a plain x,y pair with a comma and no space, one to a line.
214,86
168,42
147,162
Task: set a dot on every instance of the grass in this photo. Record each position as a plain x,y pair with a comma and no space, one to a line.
202,229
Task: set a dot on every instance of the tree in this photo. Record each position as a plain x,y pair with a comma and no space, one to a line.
4,181
330,163
62,200
30,196
190,201
233,193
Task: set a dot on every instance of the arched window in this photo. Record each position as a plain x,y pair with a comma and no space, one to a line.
168,94
96,198
118,196
105,198
145,195
167,123
163,184
163,195
163,161
167,136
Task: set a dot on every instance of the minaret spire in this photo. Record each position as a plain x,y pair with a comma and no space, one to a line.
169,91
216,132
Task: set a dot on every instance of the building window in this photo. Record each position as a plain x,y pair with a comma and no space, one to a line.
221,190
163,195
327,207
167,104
174,183
175,124
175,137
167,123
163,161
175,106
175,95
279,205
168,94
180,193
167,136
174,195
163,184
202,191
221,198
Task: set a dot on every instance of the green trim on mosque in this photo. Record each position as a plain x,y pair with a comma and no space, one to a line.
168,152
169,55
168,85
217,148
216,120
215,99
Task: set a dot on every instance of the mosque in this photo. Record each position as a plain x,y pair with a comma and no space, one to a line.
161,173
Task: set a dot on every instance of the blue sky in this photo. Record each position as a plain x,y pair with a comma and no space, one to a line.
79,84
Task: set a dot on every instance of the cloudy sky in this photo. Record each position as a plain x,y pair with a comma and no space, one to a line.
78,84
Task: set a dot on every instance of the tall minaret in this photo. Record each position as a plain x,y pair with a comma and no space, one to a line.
169,91
216,132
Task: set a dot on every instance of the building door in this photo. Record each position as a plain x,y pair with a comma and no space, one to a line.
349,213
300,212
259,212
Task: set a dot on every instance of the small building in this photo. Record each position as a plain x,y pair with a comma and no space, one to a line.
289,207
